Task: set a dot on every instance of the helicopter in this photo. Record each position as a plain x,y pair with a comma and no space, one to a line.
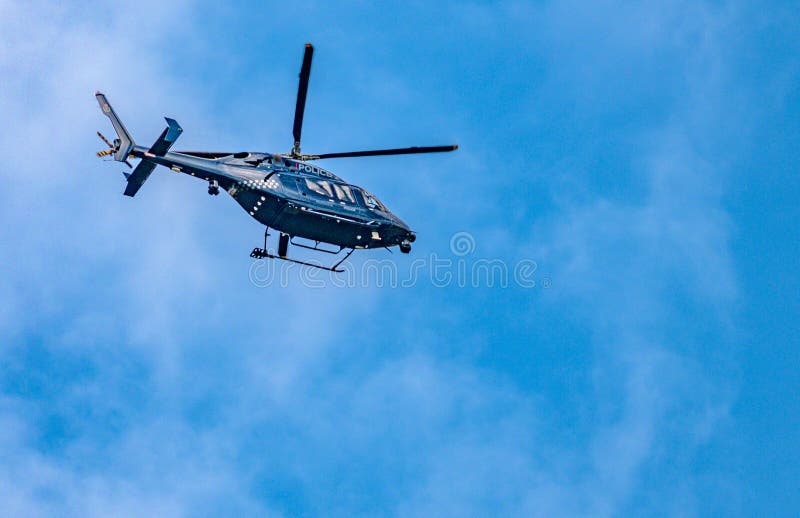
282,191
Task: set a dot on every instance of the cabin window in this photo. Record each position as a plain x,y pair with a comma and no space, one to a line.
322,188
344,193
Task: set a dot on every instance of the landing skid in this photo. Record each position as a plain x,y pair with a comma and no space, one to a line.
283,245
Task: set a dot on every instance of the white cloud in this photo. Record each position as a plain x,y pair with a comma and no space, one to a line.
135,283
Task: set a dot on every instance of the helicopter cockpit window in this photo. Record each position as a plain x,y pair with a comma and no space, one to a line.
322,188
372,202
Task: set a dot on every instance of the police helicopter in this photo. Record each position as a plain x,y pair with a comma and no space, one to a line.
283,191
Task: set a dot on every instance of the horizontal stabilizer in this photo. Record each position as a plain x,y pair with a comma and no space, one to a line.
139,176
159,148
167,138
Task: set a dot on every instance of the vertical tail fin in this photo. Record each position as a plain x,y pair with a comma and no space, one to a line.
124,144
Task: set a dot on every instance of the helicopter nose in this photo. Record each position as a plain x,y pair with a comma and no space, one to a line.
405,231
406,234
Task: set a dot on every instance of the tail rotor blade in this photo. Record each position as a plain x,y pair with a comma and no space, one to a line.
302,90
110,150
105,140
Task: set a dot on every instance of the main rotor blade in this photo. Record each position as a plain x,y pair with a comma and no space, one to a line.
207,154
382,152
302,90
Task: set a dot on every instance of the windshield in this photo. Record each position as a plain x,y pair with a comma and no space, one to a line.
372,202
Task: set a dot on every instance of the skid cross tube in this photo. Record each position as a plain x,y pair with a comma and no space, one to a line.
317,248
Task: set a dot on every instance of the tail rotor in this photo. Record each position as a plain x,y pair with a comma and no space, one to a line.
111,148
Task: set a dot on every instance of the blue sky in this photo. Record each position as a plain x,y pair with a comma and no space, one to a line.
643,155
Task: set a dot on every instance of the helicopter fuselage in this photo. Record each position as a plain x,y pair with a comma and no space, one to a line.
284,192
293,197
